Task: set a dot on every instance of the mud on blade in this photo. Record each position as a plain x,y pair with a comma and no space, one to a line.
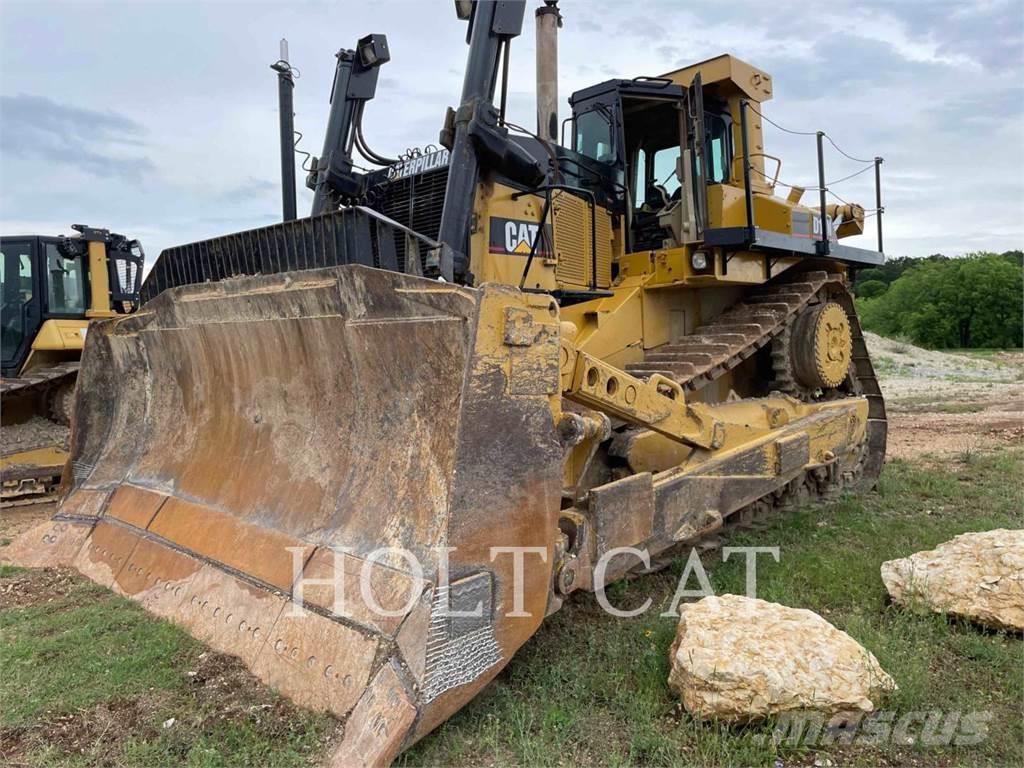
244,446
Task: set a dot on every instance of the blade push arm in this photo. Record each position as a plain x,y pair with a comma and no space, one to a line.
657,403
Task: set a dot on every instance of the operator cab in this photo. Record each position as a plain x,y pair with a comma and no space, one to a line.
37,282
640,127
672,139
48,278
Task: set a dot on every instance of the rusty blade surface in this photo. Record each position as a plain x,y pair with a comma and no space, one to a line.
246,446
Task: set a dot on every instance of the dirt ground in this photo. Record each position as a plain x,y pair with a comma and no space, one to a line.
915,433
36,587
212,693
949,404
14,521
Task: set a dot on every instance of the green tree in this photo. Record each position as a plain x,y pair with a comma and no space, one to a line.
975,301
1014,257
869,289
893,269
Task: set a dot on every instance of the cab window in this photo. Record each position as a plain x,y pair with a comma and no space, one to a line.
594,136
16,287
718,151
65,279
640,180
665,169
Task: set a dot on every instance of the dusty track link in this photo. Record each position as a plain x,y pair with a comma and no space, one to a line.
739,332
801,491
27,501
718,340
41,379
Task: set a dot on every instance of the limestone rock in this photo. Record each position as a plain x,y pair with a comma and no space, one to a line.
737,659
979,576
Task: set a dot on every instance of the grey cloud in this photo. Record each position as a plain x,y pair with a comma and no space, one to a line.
82,138
984,109
251,189
958,29
667,52
845,63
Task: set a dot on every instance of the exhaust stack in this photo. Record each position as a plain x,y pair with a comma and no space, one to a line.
286,112
549,19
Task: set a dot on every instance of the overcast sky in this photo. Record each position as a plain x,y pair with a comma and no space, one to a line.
159,120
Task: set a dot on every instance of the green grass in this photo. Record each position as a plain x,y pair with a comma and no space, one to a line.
89,679
591,689
985,354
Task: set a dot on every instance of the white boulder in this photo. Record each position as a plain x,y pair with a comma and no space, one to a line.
738,658
978,576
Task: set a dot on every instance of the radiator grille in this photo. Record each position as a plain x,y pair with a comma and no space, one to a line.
415,201
573,236
347,236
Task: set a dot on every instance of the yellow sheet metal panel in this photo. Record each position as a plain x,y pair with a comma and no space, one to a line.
574,231
61,335
730,74
51,457
610,328
99,299
505,230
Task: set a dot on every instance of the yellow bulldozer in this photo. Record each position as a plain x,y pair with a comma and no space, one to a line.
51,288
369,450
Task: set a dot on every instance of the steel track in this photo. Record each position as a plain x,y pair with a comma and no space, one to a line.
765,317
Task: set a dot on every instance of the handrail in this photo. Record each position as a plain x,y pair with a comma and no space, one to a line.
824,245
748,193
822,190
879,209
375,214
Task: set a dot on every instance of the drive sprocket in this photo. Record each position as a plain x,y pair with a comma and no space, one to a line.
812,357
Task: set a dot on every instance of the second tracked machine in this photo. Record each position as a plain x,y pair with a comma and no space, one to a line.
473,382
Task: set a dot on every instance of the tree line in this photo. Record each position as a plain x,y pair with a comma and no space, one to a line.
940,302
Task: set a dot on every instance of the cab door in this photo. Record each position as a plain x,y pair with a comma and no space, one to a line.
22,300
695,140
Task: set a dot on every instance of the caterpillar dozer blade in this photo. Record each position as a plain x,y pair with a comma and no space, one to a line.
302,470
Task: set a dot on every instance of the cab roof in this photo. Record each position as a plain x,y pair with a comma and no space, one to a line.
728,75
731,75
